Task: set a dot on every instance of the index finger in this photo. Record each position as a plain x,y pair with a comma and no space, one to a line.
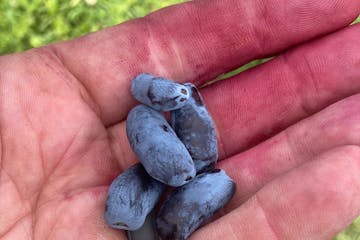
194,41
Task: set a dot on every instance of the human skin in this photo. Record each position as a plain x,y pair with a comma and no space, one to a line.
288,130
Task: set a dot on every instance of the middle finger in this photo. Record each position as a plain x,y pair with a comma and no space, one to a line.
337,125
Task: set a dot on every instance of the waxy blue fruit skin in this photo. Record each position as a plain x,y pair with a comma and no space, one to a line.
195,128
158,148
189,206
159,93
131,197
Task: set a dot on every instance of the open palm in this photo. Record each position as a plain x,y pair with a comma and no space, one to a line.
288,130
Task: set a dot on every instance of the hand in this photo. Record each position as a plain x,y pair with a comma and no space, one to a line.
288,130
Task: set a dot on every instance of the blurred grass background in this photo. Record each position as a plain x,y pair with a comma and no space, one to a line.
26,24
31,23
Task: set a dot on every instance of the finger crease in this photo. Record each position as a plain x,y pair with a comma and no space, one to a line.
112,141
258,39
267,222
154,56
307,79
83,90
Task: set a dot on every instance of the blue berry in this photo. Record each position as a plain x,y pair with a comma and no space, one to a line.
131,196
195,128
158,148
159,93
189,206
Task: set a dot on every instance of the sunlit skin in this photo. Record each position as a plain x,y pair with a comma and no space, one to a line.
288,130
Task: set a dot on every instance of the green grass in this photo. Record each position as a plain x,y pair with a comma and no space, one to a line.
352,232
26,24
357,20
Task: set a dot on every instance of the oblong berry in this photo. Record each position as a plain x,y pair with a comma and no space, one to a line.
131,197
189,206
195,128
159,93
158,148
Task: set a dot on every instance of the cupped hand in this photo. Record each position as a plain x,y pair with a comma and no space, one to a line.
288,130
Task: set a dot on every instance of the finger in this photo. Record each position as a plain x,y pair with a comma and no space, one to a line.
337,125
194,41
314,201
265,100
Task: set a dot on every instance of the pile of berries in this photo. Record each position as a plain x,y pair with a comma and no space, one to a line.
182,156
